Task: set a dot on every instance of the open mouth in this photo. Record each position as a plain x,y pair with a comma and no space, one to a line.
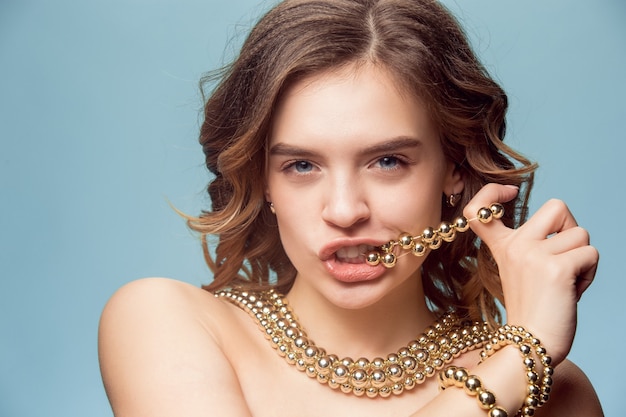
353,254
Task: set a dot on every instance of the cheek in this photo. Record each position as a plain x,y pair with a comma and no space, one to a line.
416,203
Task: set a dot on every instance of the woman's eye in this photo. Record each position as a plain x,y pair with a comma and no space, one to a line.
301,166
389,162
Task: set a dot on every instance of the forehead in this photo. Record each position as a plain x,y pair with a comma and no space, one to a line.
363,101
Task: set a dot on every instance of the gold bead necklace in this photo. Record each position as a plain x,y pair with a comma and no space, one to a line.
430,238
411,365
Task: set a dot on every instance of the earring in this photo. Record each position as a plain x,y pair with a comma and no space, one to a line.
453,200
272,209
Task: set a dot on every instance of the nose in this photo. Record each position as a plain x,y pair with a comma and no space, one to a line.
345,202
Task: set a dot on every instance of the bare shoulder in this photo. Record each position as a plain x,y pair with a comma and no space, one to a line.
572,394
160,349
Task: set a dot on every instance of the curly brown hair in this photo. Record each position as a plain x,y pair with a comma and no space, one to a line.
424,47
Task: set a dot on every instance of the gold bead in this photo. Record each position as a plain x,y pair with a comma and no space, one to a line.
498,412
322,379
358,378
451,237
409,383
377,363
533,390
497,210
435,243
387,247
409,365
448,373
484,215
323,365
531,402
310,371
345,388
472,385
384,392
300,343
532,376
397,389
421,355
347,362
291,333
547,381
460,376
529,363
419,377
372,258
395,373
419,249
446,231
428,235
525,349
362,363
389,260
404,352
461,224
406,241
378,378
340,374
487,399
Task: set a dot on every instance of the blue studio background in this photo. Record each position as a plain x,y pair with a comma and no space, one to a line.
98,123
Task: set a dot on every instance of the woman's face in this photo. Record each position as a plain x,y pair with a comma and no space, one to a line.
353,162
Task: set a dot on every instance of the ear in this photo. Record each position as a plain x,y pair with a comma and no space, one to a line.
268,197
453,181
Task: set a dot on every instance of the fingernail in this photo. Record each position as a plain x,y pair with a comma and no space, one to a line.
515,187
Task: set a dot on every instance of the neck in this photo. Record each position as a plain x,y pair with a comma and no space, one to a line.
372,331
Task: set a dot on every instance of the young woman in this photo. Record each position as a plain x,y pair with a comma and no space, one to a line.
369,221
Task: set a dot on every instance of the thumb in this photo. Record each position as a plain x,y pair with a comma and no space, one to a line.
491,231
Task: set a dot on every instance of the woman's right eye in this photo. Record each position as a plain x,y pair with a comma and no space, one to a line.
301,167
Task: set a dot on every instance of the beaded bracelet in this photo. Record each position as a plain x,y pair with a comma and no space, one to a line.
538,392
458,377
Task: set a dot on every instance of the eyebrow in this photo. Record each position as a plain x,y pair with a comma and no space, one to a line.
388,146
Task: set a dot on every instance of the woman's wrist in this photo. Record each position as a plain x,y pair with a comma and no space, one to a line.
506,378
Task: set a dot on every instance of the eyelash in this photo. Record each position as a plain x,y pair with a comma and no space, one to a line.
292,166
400,162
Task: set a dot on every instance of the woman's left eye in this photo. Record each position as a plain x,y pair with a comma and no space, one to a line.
389,162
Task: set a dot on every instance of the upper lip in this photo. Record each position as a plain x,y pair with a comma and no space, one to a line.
328,250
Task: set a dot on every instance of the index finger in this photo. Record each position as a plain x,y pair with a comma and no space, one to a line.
553,217
491,193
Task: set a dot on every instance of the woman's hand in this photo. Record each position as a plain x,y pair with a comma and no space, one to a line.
545,265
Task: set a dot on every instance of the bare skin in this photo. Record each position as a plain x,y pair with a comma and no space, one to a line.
342,140
169,349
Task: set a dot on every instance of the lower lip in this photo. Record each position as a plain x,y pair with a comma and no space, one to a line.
348,272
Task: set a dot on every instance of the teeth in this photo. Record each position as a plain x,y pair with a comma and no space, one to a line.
352,253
